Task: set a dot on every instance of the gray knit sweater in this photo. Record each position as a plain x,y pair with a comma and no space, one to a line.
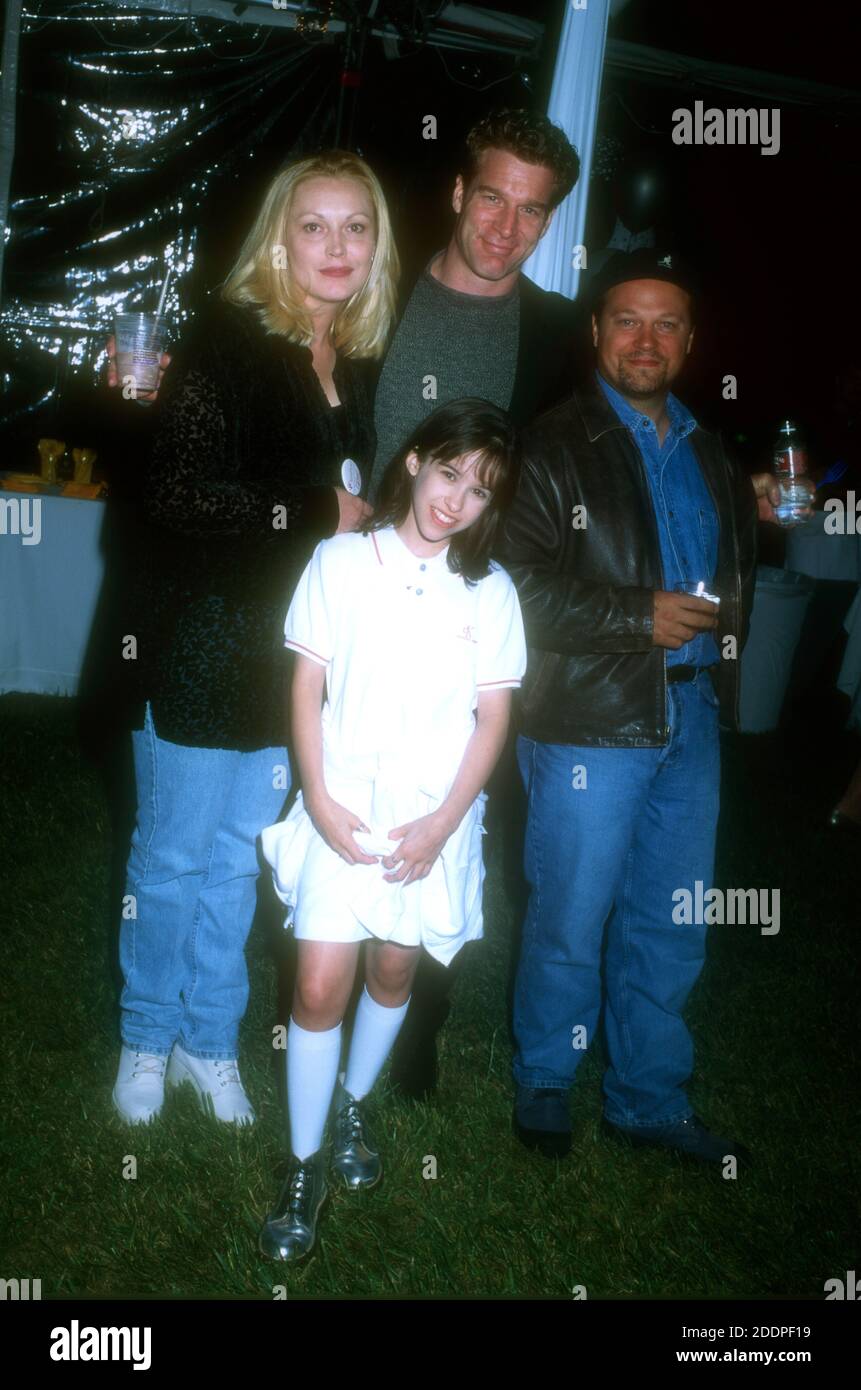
466,342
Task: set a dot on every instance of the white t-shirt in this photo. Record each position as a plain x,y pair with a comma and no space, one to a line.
408,646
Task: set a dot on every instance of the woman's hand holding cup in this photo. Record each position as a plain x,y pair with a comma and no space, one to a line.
112,375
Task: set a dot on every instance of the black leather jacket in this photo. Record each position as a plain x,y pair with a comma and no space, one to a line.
594,675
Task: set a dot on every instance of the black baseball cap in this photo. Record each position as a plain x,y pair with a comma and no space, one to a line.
648,263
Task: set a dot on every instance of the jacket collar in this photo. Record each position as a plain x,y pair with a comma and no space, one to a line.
598,415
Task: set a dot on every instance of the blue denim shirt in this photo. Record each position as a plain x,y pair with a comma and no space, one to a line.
684,511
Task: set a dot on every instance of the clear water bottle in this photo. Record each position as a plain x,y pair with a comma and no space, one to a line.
790,468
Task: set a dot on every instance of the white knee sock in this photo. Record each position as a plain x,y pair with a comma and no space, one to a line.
374,1033
312,1070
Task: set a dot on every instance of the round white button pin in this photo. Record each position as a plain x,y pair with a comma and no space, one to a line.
351,477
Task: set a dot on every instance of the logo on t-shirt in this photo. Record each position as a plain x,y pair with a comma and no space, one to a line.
468,634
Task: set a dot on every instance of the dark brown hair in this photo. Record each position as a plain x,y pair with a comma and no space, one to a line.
461,427
532,138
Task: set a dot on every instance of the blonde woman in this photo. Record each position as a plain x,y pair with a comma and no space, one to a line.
265,433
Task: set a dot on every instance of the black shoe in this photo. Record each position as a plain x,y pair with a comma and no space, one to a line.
688,1137
290,1230
542,1120
415,1067
355,1157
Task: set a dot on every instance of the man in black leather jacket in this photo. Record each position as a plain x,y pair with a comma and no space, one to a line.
625,501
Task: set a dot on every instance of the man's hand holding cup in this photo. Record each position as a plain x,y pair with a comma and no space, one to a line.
680,616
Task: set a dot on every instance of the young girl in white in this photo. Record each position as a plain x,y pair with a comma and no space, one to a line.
415,638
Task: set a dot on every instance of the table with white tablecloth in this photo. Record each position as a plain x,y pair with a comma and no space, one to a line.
49,592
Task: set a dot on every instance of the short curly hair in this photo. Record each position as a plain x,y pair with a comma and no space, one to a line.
532,138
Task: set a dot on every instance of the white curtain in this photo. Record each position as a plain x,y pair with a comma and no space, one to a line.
573,106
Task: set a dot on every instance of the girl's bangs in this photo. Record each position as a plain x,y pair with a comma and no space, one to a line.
487,470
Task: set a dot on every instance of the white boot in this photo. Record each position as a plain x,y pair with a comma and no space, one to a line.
218,1085
138,1093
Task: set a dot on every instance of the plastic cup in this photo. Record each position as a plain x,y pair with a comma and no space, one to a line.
140,341
699,588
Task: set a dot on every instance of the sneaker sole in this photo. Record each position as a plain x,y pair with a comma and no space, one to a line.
173,1082
134,1120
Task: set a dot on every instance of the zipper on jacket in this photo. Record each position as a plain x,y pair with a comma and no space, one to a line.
657,541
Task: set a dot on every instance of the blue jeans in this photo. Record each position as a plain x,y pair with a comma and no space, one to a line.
609,855
193,871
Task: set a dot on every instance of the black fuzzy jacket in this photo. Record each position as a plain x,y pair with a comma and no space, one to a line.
246,456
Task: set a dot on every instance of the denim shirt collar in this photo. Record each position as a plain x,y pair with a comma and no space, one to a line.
682,422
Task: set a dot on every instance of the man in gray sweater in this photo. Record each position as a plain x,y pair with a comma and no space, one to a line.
474,326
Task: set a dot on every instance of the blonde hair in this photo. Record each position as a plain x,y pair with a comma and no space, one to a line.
362,323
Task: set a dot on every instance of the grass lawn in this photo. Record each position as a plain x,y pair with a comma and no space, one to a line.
774,1020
